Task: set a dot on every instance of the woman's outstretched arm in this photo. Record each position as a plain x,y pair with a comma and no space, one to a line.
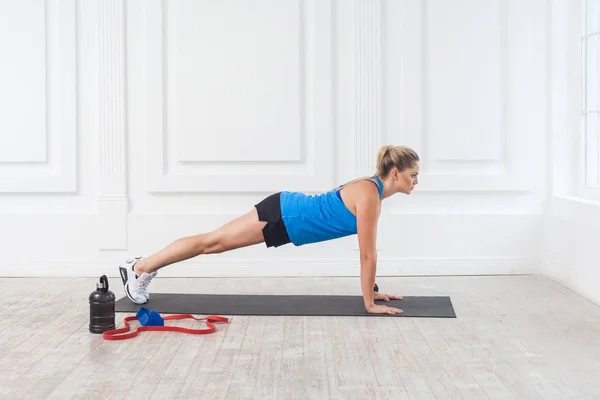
367,214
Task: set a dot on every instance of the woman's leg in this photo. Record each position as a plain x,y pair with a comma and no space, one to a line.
243,231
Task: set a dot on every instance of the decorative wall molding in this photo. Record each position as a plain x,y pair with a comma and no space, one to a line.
368,104
411,73
315,171
59,171
112,201
480,215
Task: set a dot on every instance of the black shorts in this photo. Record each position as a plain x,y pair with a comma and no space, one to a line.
274,232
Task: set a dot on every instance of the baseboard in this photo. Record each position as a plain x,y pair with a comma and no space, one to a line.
562,275
295,268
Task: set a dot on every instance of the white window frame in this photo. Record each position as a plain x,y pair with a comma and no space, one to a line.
585,189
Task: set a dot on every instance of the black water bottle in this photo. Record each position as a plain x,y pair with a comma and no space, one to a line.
102,307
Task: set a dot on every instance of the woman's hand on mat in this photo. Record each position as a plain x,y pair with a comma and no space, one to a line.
386,297
381,309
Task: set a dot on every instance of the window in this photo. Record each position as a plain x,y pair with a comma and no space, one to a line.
590,89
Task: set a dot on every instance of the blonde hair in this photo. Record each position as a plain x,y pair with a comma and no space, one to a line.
390,156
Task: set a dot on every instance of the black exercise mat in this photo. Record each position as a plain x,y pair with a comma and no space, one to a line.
239,304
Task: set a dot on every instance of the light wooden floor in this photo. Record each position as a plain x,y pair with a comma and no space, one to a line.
516,337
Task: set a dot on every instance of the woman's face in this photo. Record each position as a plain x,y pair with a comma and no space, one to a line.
406,180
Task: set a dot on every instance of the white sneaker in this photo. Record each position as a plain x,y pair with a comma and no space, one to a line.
135,286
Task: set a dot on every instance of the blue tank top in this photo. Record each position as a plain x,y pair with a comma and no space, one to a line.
316,218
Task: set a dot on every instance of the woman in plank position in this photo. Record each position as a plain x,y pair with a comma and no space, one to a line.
293,217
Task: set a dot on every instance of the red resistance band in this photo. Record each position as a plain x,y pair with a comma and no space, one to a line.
118,334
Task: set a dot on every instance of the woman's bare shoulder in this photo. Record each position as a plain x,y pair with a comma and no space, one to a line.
365,188
360,192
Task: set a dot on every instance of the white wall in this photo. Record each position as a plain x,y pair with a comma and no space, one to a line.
126,125
572,224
